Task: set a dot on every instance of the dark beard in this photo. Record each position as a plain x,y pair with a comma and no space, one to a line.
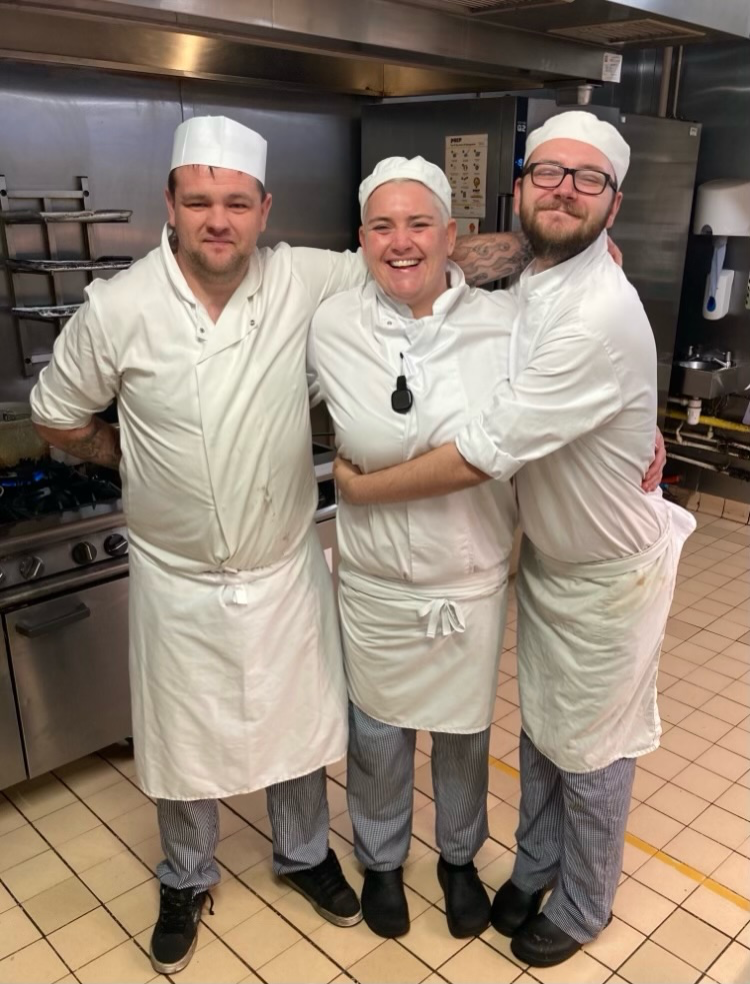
565,245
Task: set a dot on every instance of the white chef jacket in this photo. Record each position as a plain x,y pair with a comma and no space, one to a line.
422,584
576,421
232,689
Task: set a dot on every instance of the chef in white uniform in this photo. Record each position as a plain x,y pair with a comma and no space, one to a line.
236,670
423,585
575,424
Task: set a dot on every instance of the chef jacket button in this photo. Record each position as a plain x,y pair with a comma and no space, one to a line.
252,322
202,330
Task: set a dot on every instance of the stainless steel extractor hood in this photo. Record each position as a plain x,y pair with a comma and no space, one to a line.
367,47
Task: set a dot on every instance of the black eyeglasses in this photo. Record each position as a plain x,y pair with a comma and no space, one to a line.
586,180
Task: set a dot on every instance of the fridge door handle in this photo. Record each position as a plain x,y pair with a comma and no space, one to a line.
32,630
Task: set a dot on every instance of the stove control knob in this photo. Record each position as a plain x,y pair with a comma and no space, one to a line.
83,553
30,567
116,545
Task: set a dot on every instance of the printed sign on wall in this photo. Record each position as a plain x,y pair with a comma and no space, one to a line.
466,167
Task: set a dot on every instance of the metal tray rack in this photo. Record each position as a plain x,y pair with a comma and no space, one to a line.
50,266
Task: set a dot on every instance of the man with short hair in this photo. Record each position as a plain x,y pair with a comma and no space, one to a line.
236,669
575,424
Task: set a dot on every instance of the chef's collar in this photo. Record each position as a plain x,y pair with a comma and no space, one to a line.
556,276
249,285
443,304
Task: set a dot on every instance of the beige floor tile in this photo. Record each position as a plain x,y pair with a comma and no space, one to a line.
6,900
722,826
744,936
713,908
738,691
727,666
254,979
738,650
694,617
341,979
735,874
346,946
701,782
503,821
126,964
234,903
137,825
580,969
115,876
697,655
697,850
688,693
121,757
263,937
704,725
115,800
336,798
37,797
35,875
641,907
11,818
229,822
88,775
390,963
737,740
243,850
715,608
709,679
301,962
35,963
663,763
88,937
501,741
497,872
680,630
137,909
669,663
645,784
666,879
149,851
652,826
509,691
479,963
634,856
728,628
421,876
651,963
736,799
90,848
261,879
733,966
20,845
298,911
61,904
673,711
685,743
63,825
740,614
16,931
490,851
677,803
429,939
214,962
665,681
615,944
690,939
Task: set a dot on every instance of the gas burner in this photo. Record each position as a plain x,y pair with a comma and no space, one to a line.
33,489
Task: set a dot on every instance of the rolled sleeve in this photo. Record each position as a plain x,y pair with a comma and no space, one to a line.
568,389
81,379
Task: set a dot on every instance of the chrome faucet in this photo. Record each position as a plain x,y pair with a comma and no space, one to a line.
726,362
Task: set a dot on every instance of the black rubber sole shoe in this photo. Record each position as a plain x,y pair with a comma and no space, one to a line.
467,905
177,966
384,905
332,917
512,907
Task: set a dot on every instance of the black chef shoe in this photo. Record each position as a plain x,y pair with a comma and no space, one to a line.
467,906
540,943
384,904
176,931
327,891
512,907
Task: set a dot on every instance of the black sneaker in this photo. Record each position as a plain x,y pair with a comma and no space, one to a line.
176,931
329,893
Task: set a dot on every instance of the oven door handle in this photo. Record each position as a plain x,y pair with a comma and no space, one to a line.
34,629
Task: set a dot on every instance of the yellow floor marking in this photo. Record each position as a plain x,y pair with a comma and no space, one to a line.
642,845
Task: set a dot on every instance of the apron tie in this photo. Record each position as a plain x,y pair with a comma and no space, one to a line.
447,613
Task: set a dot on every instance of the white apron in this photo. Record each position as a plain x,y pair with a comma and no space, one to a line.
424,656
238,655
588,649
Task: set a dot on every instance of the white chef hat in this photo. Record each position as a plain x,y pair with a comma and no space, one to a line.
218,141
579,125
403,169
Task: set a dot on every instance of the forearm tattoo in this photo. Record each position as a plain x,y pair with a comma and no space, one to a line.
101,445
492,256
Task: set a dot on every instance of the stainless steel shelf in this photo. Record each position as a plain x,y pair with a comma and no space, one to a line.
86,217
46,312
67,266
